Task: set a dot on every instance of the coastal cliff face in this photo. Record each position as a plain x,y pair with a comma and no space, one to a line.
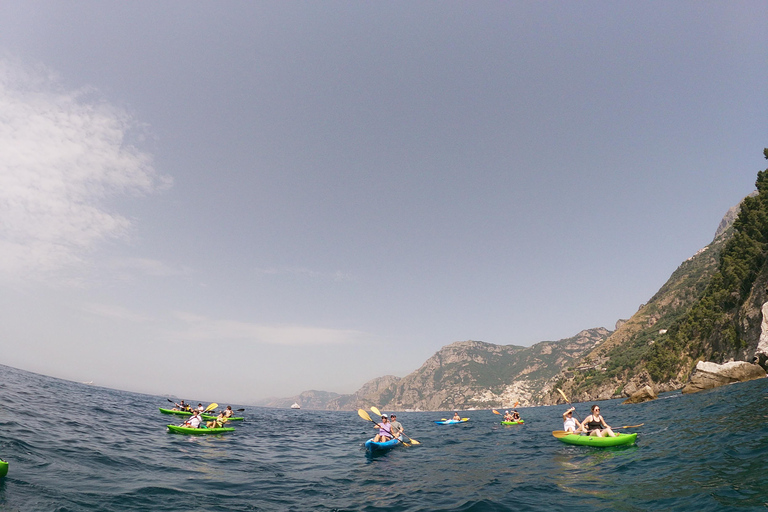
711,309
463,375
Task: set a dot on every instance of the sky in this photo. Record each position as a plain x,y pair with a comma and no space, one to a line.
229,201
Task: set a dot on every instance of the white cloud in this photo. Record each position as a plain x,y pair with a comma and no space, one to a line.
63,155
113,312
150,267
200,328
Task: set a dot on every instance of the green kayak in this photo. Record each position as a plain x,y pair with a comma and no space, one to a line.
204,416
512,422
3,468
619,440
199,431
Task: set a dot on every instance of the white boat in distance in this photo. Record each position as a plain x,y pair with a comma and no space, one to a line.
295,406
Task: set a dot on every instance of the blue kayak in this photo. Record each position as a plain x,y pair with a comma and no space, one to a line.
451,422
373,446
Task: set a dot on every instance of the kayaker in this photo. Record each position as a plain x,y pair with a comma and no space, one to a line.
515,415
571,424
507,416
396,426
596,425
200,408
385,430
194,421
456,416
228,411
181,407
219,422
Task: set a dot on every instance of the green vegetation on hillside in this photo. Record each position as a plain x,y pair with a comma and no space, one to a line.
710,329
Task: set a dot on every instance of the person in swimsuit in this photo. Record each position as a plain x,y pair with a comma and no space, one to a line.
507,416
219,422
456,416
515,415
596,425
385,431
228,411
571,424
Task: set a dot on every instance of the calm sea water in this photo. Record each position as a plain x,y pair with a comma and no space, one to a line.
74,447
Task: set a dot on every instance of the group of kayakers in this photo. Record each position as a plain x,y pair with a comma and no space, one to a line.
196,420
593,425
514,416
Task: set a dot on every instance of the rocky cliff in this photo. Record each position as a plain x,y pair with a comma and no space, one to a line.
466,374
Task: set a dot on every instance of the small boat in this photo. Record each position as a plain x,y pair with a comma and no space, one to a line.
619,440
295,406
204,416
451,422
3,468
373,446
518,422
199,431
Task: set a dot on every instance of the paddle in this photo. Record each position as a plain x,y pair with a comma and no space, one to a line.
496,412
378,412
365,416
569,403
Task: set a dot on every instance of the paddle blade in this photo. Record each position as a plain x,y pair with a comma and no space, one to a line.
364,415
376,411
211,407
515,404
565,397
413,441
495,411
633,426
239,410
561,433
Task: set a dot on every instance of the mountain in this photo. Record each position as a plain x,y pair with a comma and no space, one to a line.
463,375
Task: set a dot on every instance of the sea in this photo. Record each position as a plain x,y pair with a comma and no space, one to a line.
80,447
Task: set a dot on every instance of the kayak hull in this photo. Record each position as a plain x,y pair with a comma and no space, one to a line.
204,416
512,422
373,446
3,468
619,440
199,431
452,422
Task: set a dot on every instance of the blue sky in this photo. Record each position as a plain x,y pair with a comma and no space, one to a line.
234,200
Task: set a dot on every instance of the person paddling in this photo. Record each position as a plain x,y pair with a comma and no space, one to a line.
194,421
385,430
456,416
228,412
507,416
571,424
595,424
396,426
515,415
181,407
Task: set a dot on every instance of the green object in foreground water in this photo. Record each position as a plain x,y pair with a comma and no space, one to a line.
199,431
3,468
512,422
620,439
